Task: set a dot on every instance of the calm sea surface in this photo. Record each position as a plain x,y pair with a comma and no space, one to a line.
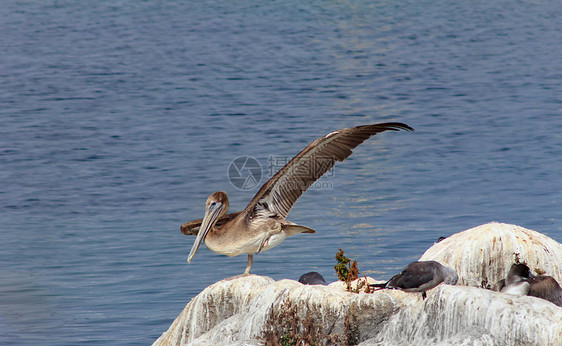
119,118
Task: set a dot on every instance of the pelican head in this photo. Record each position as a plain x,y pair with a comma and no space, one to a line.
518,272
451,276
215,207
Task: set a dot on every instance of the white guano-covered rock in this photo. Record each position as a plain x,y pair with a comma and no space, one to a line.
254,310
239,311
221,303
453,315
483,255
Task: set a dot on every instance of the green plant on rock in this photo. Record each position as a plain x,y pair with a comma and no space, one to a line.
346,270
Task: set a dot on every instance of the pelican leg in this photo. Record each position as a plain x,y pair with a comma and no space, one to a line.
250,262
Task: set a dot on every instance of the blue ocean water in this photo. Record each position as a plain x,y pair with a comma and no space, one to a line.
119,118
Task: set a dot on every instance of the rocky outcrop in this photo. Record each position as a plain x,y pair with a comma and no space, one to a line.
256,310
456,315
483,255
246,309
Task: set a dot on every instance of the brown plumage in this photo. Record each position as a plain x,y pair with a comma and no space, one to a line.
262,225
546,287
520,281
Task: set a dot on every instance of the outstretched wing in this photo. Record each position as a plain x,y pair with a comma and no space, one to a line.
192,227
277,196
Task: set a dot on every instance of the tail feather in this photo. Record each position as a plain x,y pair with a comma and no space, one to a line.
295,229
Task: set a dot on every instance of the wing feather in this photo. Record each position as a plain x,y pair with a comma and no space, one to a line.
415,275
279,194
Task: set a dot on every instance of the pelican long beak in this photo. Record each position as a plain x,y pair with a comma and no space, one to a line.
211,217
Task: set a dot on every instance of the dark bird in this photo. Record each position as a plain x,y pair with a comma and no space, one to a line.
546,287
421,277
312,278
516,281
262,224
520,281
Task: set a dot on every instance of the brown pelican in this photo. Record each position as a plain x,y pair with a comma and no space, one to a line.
420,277
312,278
262,224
